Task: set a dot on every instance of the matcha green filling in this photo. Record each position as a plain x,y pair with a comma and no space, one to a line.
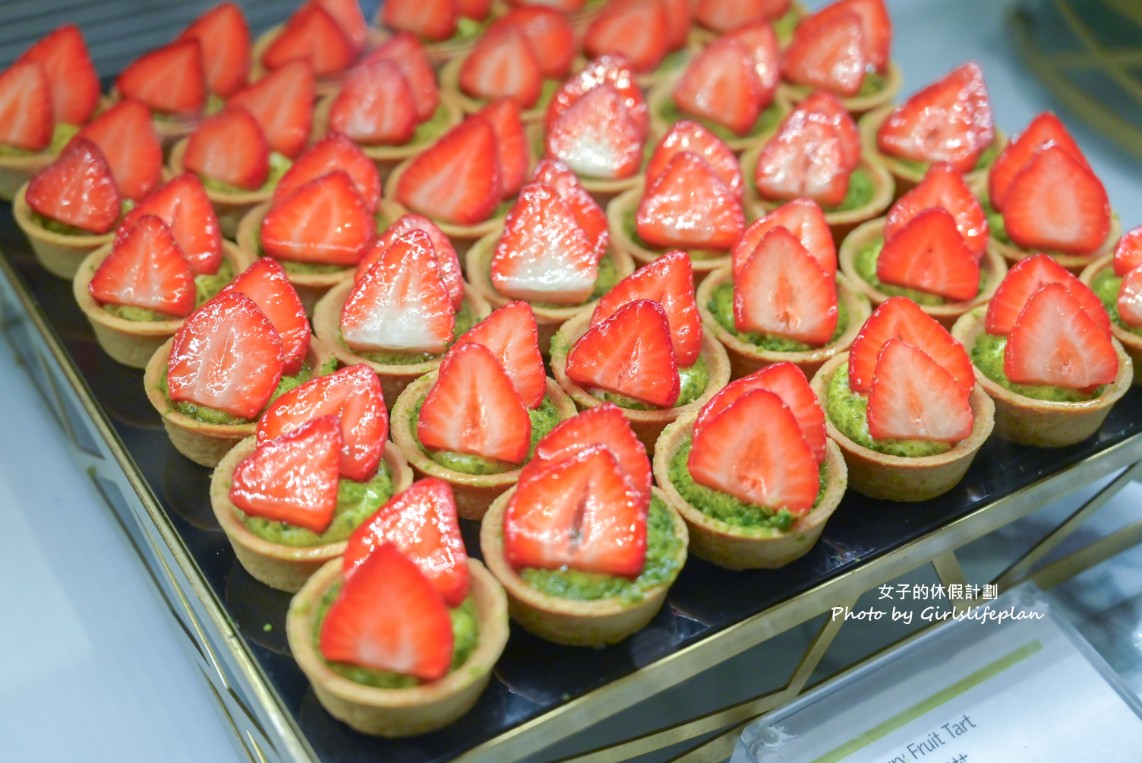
865,262
859,193
464,321
872,84
785,26
66,229
431,128
848,411
721,306
987,355
985,160
209,415
61,134
205,287
630,227
767,121
1107,286
468,30
279,163
693,381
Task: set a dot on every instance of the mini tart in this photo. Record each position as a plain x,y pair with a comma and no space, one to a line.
746,357
664,114
133,343
740,548
648,425
323,84
399,712
450,87
857,104
170,128
782,26
285,568
1131,342
602,190
1043,423
992,270
900,478
571,621
230,206
59,253
202,442
474,493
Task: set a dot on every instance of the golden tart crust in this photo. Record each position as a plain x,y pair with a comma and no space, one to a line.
59,253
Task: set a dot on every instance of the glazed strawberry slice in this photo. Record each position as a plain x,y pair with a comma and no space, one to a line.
229,147
375,106
266,283
761,42
348,15
596,137
913,398
388,616
828,52
630,353
71,76
805,159
721,85
558,177
127,138
224,36
1129,300
182,204
1056,202
1024,279
401,303
25,107
783,292
770,463
693,137
613,70
353,396
942,187
875,27
477,10
901,318
458,179
826,107
503,65
422,522
543,254
170,79
333,152
1044,130
226,356
564,6
447,261
311,34
548,33
512,335
581,513
689,206
929,254
635,29
473,408
409,55
1055,342
677,14
282,102
146,269
947,121
805,220
669,281
77,189
511,143
1128,252
728,15
432,20
324,220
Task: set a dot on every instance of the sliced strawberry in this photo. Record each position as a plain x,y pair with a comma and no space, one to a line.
401,303
353,395
1130,298
548,33
311,34
721,85
1055,342
613,70
769,462
71,76
728,15
512,335
827,52
447,261
543,254
693,137
348,15
942,187
1056,202
1128,252
458,179
170,79
224,36
1044,130
503,65
901,318
669,281
689,206
591,218
596,137
282,102
477,10
422,523
564,6
474,408
409,55
433,20
146,269
761,42
127,138
805,159
875,27
582,513
182,204
266,283
375,106
511,143
825,106
928,254
333,152
913,398
805,220
782,291
388,616
630,353
947,121
226,356
677,14
25,107
77,189
635,29
230,147
1024,279
324,220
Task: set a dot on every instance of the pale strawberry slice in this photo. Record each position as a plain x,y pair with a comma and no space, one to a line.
433,20
823,105
348,15
913,398
401,303
503,65
1024,279
224,36
311,34
596,137
947,121
170,79
127,138
685,135
1128,252
182,204
1130,298
353,395
229,147
721,85
728,15
333,152
630,353
375,106
282,102
582,513
635,29
875,24
613,70
591,218
689,206
669,281
1044,130
548,33
828,52
447,261
1055,342
1056,202
782,291
474,408
324,220
901,318
511,143
226,356
477,10
422,522
512,335
754,451
543,254
25,107
388,616
929,254
942,187
805,220
458,179
77,189
72,79
146,269
409,55
266,283
805,159
761,42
